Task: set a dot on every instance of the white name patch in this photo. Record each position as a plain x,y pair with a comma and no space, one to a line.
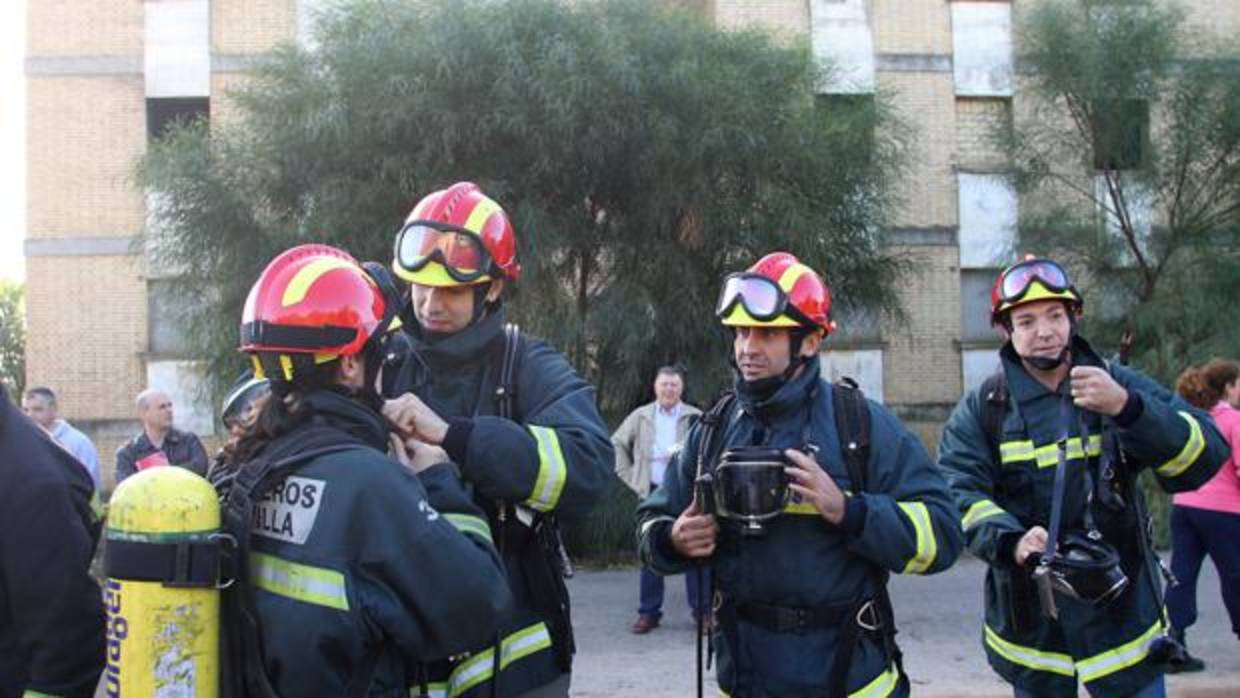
288,511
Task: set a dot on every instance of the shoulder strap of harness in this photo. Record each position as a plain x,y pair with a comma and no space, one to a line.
506,388
243,632
714,424
852,425
994,393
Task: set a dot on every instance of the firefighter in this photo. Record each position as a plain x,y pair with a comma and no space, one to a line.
1043,461
801,604
510,410
362,568
51,611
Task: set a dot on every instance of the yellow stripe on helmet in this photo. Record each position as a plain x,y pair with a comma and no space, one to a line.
307,275
481,213
789,278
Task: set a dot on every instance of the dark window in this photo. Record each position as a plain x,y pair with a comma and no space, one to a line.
858,326
975,285
168,306
163,112
1121,131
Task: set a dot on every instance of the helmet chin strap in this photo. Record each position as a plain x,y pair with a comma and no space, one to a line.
763,388
1044,363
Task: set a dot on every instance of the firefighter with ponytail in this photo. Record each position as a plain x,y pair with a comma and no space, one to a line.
353,569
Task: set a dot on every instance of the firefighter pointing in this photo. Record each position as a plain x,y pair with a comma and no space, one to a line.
1043,460
353,570
802,496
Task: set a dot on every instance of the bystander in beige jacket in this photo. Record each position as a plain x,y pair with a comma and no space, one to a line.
634,439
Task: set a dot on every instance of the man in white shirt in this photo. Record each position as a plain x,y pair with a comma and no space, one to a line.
644,443
39,403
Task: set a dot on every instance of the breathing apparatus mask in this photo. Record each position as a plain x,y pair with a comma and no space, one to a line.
1085,568
1078,565
748,486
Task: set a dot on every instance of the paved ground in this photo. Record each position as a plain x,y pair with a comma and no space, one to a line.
939,620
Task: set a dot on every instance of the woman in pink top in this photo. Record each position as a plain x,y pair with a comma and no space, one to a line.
1207,521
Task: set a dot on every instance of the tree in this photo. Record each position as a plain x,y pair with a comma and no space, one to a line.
1126,144
12,338
642,153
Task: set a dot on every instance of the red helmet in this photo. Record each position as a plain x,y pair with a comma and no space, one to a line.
312,304
454,237
1032,279
777,291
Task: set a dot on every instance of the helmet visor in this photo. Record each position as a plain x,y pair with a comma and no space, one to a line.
1018,279
762,298
461,253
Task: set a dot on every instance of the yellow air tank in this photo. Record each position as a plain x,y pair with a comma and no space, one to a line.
162,564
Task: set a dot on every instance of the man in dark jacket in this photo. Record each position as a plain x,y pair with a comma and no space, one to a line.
51,611
159,443
801,608
532,448
1060,423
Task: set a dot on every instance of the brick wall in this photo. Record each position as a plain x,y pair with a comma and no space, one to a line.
87,322
84,27
976,121
251,26
911,26
84,137
922,361
790,19
87,308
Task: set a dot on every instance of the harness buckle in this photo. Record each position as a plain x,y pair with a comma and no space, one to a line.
228,548
868,617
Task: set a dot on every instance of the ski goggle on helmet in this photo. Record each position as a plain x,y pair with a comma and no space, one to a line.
777,291
460,252
454,237
1032,279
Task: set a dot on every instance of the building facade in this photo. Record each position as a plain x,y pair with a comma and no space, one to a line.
105,76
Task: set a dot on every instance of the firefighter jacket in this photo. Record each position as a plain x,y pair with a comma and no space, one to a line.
553,456
1004,489
905,523
353,554
51,610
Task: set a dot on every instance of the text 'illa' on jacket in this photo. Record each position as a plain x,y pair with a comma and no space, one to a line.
355,554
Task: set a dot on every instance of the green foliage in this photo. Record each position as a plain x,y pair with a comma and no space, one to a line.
608,535
12,338
641,152
1118,91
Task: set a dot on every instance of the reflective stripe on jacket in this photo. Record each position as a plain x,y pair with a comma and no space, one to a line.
353,554
1000,497
554,456
909,526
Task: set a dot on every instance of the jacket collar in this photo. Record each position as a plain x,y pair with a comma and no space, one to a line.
464,346
792,395
350,416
